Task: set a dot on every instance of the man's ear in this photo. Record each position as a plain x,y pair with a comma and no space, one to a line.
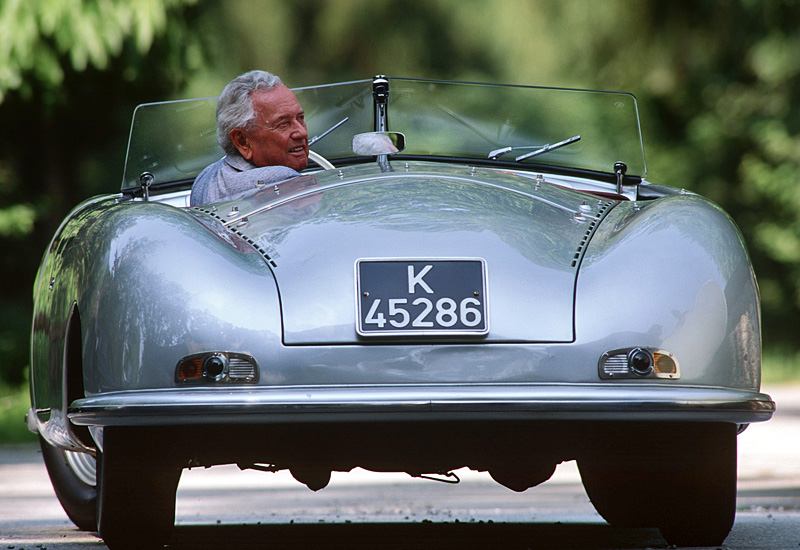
241,142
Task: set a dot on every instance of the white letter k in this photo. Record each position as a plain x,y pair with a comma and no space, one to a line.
414,280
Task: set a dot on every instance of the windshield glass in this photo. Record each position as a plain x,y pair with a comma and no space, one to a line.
576,129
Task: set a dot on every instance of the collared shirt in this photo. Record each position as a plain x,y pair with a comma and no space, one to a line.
233,177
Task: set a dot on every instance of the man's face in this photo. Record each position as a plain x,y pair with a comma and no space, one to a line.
277,136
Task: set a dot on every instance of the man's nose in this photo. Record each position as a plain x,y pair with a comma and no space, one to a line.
300,129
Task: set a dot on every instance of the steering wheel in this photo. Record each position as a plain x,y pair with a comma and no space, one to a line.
324,163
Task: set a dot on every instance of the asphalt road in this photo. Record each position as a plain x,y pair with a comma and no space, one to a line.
224,508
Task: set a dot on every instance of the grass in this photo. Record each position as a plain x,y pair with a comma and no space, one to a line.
778,367
14,403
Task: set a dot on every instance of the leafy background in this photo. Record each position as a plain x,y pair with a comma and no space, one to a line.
718,84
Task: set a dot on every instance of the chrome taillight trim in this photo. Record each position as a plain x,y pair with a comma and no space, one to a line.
240,368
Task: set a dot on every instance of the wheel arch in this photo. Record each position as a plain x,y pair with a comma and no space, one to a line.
73,374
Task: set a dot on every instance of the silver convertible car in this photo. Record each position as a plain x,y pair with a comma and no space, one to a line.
468,275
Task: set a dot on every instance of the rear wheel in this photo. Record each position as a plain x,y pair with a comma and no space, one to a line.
73,477
136,505
682,481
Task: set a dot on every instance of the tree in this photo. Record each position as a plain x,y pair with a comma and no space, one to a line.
71,72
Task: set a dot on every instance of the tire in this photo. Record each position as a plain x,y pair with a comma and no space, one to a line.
682,481
618,494
136,505
72,483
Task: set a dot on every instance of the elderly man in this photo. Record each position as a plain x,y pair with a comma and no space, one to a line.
261,127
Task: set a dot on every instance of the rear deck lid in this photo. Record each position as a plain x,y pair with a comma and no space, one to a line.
337,242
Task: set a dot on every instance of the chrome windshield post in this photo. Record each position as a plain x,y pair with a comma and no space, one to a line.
380,95
620,169
146,179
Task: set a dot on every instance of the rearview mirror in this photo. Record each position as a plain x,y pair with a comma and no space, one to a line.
378,143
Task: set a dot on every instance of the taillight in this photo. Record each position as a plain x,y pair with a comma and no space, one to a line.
638,362
217,367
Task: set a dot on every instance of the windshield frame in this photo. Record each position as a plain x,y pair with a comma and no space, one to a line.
449,121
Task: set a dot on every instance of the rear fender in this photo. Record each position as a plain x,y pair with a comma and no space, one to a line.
673,274
160,285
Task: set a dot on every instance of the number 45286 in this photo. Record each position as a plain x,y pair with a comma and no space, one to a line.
423,313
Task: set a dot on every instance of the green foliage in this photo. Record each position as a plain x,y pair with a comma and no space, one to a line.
71,73
36,34
14,403
15,324
780,367
16,220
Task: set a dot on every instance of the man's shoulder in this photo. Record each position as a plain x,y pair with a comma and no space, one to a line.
228,179
212,168
236,162
206,185
229,164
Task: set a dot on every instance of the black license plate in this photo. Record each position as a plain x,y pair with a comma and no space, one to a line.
421,297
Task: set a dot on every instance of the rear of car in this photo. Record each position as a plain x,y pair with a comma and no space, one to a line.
499,295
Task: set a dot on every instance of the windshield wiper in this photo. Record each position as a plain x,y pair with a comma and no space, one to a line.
539,149
315,139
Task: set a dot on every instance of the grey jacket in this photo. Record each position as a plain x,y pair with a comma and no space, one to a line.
233,177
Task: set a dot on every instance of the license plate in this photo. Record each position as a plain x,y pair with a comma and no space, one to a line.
421,297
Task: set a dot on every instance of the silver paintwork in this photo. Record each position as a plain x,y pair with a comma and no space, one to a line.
572,276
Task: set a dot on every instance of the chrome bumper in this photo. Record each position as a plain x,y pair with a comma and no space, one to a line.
300,404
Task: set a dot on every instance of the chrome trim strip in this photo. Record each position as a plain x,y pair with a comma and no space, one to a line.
229,221
623,402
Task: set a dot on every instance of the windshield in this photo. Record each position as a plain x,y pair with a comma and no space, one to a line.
523,125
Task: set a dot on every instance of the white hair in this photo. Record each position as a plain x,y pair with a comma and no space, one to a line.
235,104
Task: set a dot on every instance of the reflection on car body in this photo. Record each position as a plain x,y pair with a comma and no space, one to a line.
443,305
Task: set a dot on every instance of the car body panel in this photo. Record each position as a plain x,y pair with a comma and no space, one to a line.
337,220
705,286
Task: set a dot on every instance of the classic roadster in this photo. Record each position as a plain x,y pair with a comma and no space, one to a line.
468,275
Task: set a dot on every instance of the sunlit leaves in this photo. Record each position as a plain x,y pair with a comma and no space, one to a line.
38,36
775,58
16,220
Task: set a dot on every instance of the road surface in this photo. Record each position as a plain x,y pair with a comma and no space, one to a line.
224,508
